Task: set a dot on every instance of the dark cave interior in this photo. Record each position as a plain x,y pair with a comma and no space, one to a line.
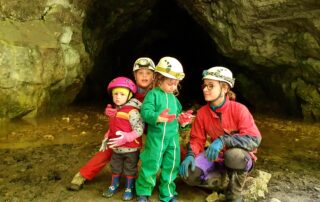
169,31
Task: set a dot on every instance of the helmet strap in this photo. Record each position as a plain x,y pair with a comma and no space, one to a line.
219,96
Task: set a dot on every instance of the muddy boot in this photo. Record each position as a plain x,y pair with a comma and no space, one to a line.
235,186
113,187
142,198
76,182
128,193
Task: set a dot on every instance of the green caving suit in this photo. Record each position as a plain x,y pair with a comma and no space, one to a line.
162,148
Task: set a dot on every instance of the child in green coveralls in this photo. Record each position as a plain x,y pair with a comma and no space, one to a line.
162,150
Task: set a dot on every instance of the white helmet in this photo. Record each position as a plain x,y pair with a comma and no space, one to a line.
143,62
170,67
219,74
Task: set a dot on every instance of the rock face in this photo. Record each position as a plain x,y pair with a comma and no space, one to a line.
45,48
43,63
276,42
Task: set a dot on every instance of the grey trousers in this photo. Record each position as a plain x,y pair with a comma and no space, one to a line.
125,163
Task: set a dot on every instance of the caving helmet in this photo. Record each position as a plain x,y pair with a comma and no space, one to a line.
143,62
220,74
123,82
170,67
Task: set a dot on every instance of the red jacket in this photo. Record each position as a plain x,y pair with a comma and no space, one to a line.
121,123
232,122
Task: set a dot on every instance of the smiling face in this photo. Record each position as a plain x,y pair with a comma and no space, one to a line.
169,85
143,77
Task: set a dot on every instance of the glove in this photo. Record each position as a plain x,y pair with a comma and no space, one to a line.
109,111
123,138
165,117
214,149
104,146
185,118
184,167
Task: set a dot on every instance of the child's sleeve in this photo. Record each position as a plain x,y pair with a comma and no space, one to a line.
136,121
148,111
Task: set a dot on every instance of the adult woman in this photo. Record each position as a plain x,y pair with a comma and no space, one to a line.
233,133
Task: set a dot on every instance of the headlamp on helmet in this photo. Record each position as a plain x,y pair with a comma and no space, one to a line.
143,62
219,74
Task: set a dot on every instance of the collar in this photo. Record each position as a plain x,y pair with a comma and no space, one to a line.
221,107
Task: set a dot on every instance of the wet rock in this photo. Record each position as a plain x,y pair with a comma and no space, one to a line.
257,185
215,197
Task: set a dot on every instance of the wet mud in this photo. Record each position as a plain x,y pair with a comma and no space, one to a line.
38,158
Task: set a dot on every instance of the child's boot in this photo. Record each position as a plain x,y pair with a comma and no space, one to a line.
76,182
128,193
113,187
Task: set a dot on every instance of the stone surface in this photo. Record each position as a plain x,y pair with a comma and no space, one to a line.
256,188
43,64
275,44
276,40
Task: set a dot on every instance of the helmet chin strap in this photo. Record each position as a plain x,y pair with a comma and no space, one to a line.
128,98
218,97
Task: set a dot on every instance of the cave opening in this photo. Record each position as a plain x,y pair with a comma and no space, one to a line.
169,31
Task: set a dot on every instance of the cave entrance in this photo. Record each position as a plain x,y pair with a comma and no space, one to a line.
169,31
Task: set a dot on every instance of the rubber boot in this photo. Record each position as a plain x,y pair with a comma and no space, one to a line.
235,186
142,199
113,187
128,193
76,182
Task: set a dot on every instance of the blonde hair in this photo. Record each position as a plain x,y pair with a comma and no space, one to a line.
123,90
159,78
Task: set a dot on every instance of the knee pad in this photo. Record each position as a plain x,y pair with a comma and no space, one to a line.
237,159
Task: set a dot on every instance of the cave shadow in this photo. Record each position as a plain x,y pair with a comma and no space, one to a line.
169,31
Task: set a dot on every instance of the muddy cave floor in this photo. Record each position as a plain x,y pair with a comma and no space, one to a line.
38,158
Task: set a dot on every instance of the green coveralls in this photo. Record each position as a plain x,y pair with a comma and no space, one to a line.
162,148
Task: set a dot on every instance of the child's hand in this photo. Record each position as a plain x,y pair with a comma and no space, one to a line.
185,118
165,117
109,111
104,146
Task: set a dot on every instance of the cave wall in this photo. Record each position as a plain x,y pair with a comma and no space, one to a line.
48,49
276,43
43,61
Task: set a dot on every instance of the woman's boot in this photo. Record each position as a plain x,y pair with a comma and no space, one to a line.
236,182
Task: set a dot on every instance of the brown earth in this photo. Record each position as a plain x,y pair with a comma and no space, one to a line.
39,158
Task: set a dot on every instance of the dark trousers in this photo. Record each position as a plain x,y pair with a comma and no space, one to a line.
125,163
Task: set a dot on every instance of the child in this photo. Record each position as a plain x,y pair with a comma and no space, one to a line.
128,126
143,70
162,149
